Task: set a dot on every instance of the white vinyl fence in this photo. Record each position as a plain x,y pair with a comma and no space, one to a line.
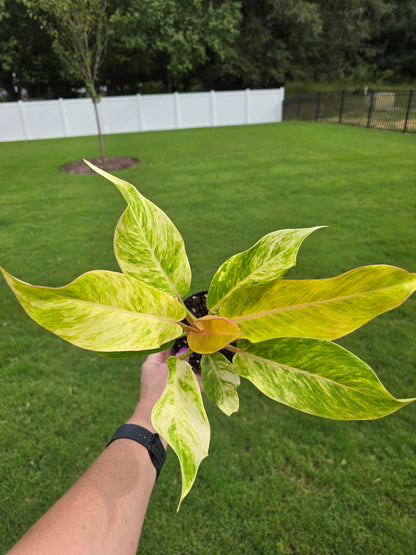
49,119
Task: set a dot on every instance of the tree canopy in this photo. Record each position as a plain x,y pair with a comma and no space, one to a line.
49,47
27,61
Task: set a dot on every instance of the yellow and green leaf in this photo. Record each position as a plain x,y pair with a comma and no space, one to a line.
322,308
212,333
317,377
103,311
131,354
267,260
220,381
179,416
147,245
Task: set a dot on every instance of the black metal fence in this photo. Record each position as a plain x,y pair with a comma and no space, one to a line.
391,110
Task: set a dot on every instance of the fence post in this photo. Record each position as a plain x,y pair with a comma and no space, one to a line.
298,107
370,108
341,106
213,109
409,103
318,101
23,119
139,112
63,117
177,110
247,103
281,103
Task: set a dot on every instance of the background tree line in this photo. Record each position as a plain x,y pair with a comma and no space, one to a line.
184,45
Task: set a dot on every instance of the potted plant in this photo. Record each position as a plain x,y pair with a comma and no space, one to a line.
279,333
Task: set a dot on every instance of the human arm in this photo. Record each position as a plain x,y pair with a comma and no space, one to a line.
103,512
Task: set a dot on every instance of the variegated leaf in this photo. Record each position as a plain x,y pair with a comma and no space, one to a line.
322,308
317,377
103,311
214,334
147,245
180,417
131,354
267,260
220,381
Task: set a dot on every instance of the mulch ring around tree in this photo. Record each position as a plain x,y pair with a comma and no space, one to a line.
111,163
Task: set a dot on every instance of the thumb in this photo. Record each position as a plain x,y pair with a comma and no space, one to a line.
160,357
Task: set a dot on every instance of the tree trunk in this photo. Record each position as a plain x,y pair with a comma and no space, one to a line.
100,135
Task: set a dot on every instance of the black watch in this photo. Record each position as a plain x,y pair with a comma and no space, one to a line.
147,439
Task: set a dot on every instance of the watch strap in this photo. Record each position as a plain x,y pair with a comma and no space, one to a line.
147,439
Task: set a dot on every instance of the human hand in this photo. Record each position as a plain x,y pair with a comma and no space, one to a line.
153,379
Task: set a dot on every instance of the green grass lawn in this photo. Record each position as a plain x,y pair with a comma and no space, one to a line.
276,480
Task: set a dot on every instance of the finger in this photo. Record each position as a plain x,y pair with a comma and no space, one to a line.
160,357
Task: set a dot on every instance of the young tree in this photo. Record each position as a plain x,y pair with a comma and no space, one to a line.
79,29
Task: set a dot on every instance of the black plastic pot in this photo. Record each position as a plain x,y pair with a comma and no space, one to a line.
197,304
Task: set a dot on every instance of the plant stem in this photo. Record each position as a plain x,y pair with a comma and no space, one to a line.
185,355
232,349
188,328
189,316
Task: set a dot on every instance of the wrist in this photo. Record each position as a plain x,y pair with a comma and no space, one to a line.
144,423
151,441
142,416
